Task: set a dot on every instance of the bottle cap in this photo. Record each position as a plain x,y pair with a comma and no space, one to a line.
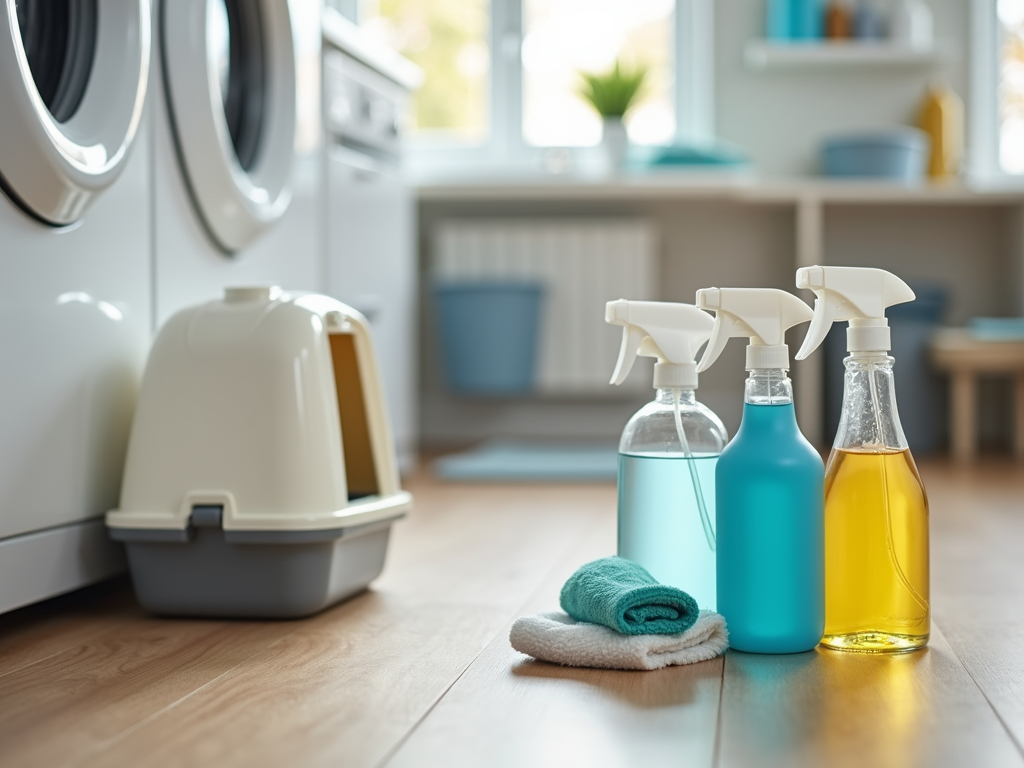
761,314
859,295
672,333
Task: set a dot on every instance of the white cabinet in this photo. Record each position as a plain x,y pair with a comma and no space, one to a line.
371,266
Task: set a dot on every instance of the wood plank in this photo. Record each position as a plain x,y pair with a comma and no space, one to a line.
847,709
978,578
36,632
509,710
916,709
346,686
71,703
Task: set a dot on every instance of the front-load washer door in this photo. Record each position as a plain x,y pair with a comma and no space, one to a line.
229,68
73,77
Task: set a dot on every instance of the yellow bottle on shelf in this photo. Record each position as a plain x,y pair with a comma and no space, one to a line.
876,507
942,118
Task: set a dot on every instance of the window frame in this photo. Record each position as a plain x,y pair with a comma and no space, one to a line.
506,153
983,167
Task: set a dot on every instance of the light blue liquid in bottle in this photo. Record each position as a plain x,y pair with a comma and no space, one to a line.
660,523
770,526
667,492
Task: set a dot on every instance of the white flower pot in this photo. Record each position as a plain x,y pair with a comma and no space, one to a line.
614,141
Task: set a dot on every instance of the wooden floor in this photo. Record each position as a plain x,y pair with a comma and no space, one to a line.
419,672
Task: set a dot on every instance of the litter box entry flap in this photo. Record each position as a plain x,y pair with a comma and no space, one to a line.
367,446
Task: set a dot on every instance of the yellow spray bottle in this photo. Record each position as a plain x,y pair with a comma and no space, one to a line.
876,510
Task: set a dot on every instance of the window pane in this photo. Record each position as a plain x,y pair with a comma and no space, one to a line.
1011,86
564,37
448,39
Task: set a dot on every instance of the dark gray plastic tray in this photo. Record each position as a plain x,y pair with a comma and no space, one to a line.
205,571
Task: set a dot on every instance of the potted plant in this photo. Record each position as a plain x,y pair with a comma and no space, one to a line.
612,94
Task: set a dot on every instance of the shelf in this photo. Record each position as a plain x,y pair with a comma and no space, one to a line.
765,54
737,188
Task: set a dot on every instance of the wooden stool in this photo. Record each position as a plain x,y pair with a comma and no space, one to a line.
957,351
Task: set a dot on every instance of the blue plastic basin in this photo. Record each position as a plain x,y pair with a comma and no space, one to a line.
899,154
488,333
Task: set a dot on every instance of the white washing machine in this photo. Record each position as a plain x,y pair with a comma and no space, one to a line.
238,148
75,281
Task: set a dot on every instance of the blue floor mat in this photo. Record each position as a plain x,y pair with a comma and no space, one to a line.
503,460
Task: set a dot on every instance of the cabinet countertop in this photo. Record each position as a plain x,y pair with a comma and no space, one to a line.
710,186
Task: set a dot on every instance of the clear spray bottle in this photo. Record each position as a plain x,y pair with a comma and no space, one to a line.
668,450
876,509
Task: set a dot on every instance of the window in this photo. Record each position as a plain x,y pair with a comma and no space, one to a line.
1011,85
502,75
637,32
449,40
996,127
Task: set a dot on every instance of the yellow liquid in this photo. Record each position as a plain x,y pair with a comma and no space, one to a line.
876,553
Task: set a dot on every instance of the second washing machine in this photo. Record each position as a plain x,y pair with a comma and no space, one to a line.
238,148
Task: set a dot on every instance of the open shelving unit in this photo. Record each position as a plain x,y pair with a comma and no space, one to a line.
771,54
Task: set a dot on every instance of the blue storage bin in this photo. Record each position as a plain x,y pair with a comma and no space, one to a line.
488,333
899,154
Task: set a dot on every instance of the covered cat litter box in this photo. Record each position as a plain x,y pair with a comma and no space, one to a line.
261,478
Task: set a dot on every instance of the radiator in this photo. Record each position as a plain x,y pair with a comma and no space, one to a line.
582,264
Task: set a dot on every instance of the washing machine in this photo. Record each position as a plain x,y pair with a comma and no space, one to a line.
238,148
75,281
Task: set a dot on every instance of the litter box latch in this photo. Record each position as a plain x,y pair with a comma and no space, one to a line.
207,509
207,516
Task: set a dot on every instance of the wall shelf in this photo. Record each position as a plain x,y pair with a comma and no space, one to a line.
766,54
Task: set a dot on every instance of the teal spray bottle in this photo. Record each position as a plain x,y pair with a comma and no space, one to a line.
876,509
669,450
769,483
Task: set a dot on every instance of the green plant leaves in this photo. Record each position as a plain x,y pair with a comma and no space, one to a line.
614,92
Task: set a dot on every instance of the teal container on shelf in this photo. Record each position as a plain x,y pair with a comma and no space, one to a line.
488,333
779,23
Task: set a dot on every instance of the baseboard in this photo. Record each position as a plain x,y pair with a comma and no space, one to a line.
44,564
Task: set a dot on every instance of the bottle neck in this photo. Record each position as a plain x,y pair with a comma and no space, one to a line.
870,420
768,386
667,396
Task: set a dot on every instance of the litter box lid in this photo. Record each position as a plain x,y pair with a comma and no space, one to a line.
269,405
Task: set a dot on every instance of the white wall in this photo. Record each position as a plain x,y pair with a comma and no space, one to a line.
780,116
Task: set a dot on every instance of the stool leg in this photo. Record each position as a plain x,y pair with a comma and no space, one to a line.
964,414
1018,417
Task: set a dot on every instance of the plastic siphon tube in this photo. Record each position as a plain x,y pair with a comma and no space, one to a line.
875,400
705,520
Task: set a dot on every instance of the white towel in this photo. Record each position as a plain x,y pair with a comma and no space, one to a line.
557,638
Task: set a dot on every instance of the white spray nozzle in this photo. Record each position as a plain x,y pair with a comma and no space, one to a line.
672,333
761,314
857,294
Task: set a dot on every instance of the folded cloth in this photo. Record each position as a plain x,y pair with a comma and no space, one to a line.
623,596
559,639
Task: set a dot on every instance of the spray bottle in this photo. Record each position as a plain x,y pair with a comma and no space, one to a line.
769,483
668,450
876,510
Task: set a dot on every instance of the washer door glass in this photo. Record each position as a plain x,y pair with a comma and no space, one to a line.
60,39
65,138
232,104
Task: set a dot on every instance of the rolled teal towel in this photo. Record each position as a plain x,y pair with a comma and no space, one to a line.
620,594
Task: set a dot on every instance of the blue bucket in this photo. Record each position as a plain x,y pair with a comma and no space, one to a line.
488,333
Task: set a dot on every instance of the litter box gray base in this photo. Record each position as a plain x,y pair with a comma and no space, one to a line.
210,572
